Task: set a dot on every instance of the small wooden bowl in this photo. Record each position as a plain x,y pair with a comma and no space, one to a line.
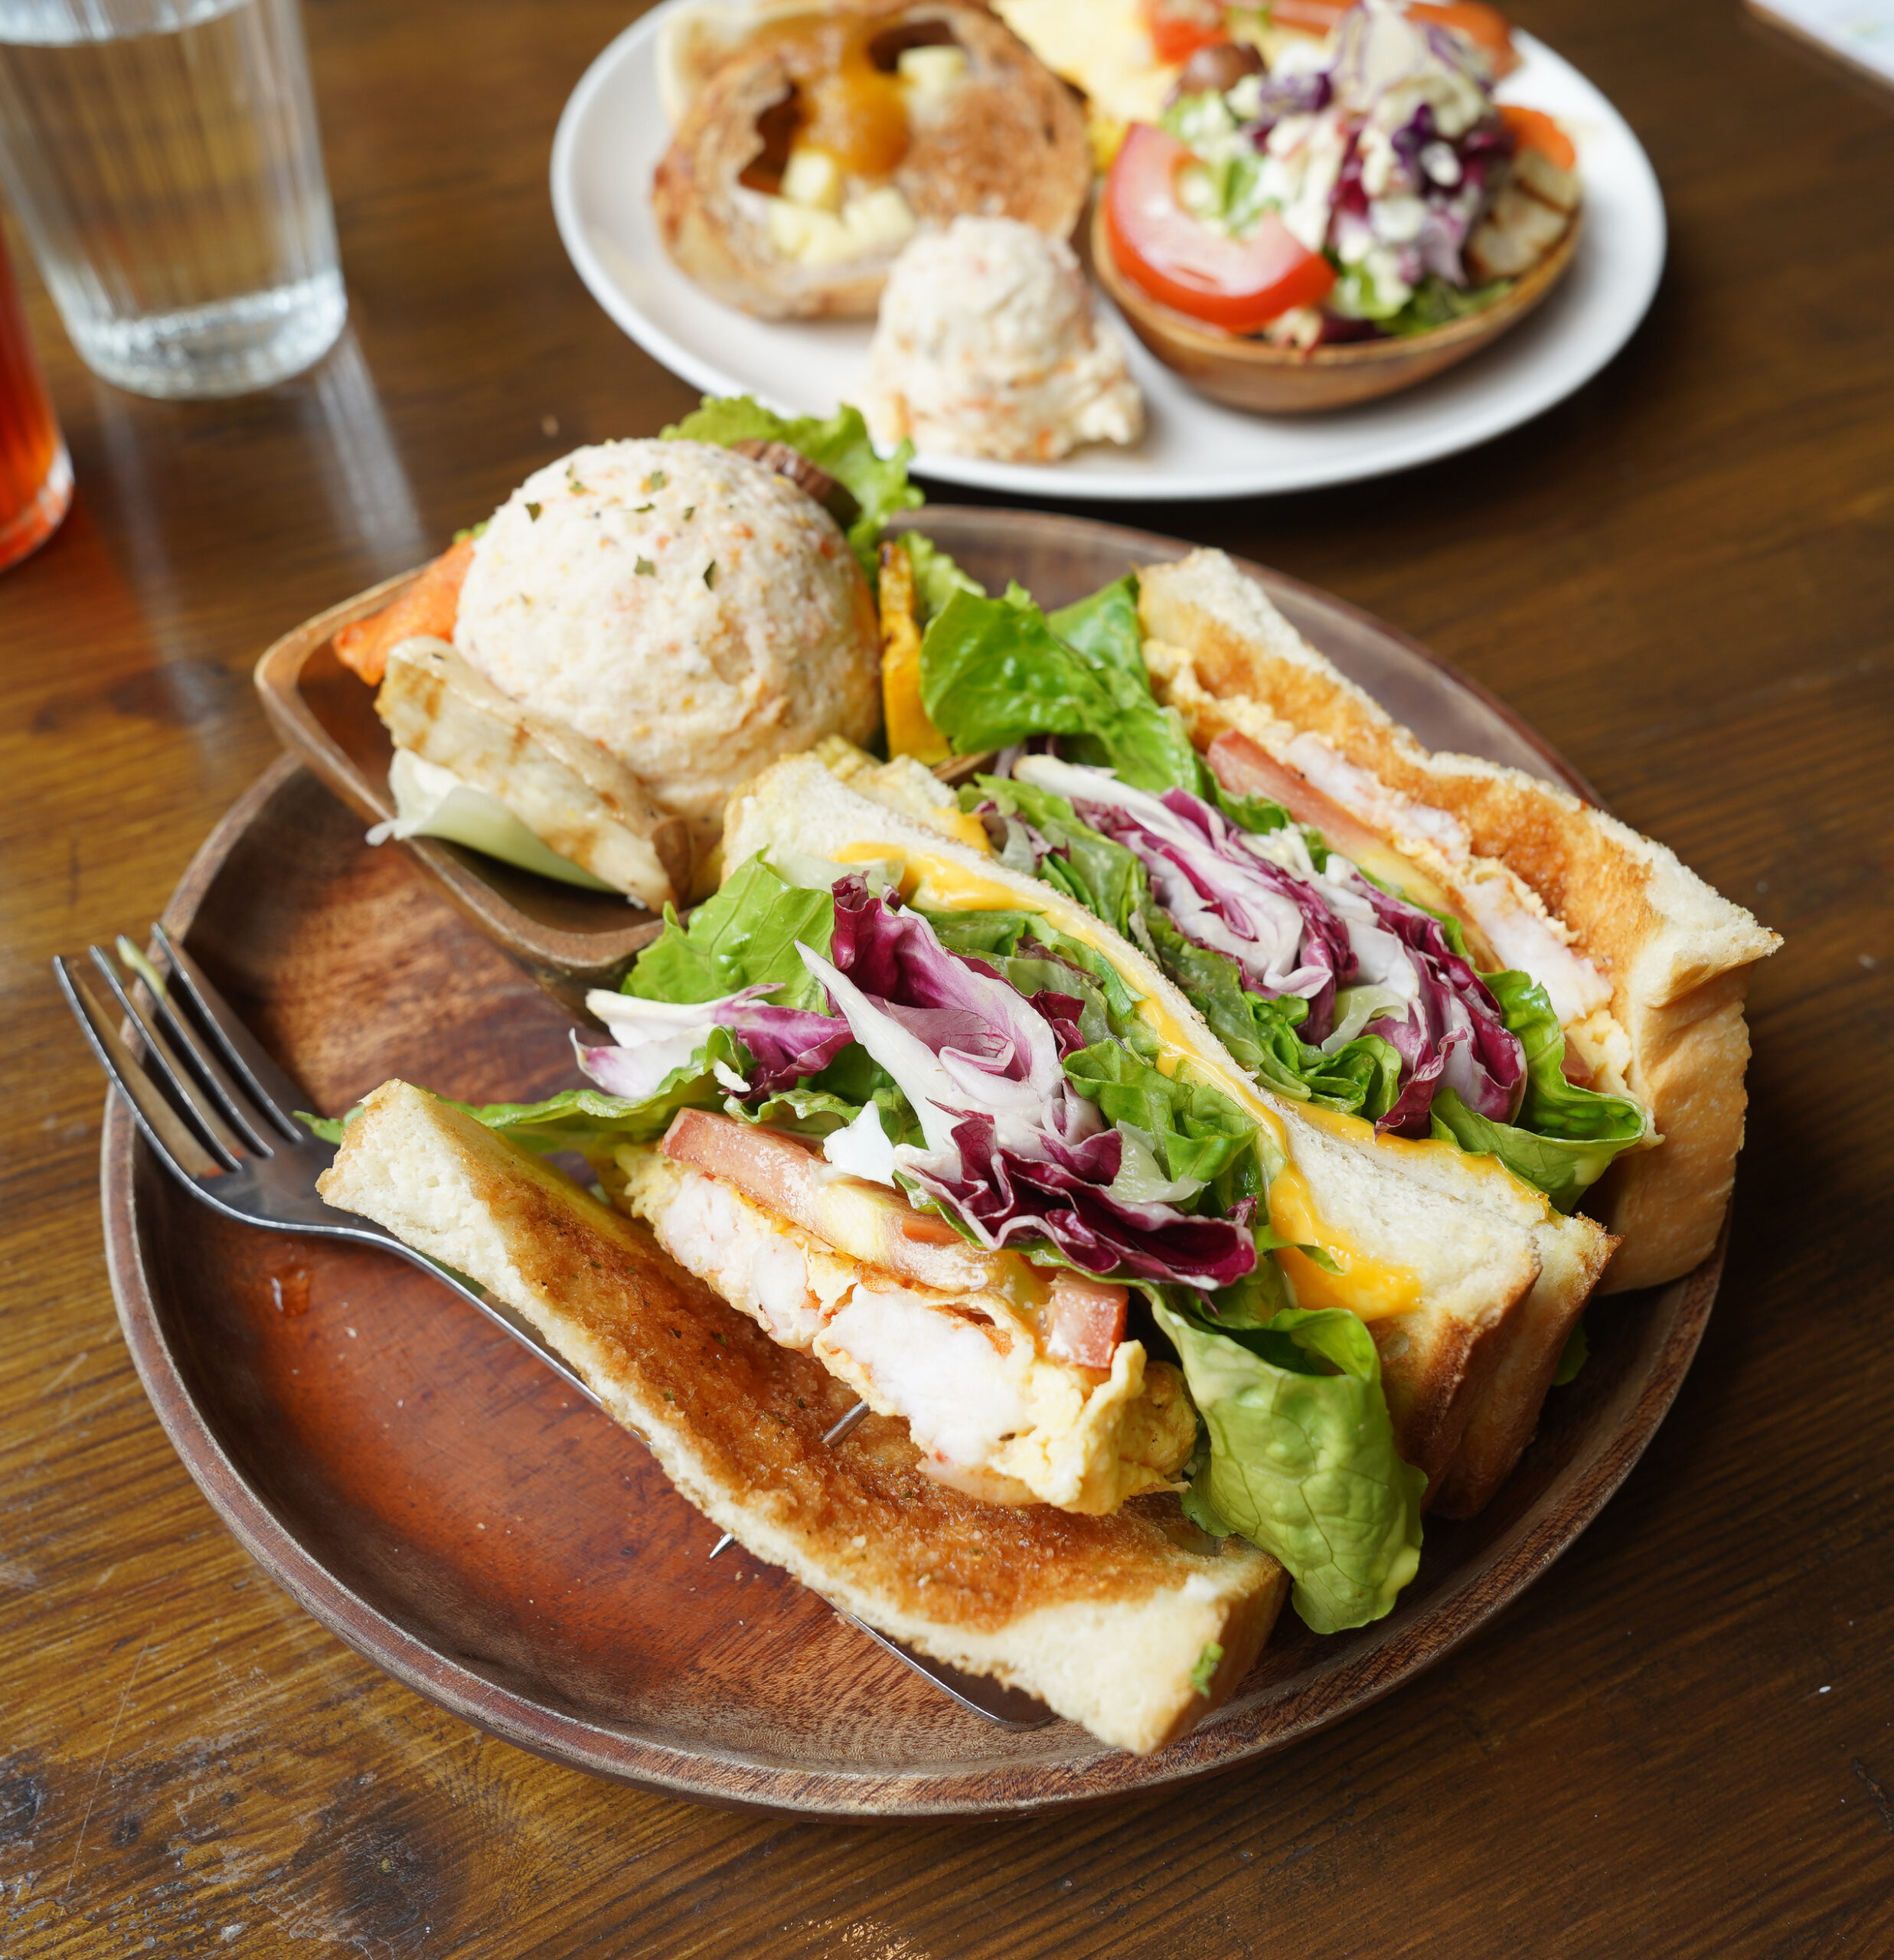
1282,380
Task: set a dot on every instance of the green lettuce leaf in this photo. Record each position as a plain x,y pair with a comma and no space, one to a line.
1199,1131
592,1123
1436,303
839,443
995,671
936,577
1302,1458
744,937
1565,1137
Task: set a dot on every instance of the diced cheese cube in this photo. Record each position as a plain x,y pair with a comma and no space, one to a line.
932,72
813,178
877,221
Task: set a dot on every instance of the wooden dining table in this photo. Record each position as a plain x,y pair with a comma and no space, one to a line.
1679,1741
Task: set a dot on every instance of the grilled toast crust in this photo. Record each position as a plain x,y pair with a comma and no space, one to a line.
1676,954
1105,1619
1009,141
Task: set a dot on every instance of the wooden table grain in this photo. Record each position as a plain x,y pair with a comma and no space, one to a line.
1681,1742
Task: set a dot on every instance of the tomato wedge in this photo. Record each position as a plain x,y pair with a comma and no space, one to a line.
1308,16
1485,26
1179,28
1237,283
1533,129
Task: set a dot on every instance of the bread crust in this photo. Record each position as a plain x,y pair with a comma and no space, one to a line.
1105,1619
1009,141
1675,954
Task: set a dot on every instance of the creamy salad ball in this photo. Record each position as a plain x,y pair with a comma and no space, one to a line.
986,346
689,610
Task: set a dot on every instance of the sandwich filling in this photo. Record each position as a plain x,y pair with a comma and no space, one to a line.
1334,980
978,1175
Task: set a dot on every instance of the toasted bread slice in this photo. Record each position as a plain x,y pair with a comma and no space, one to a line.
1435,1270
1113,1622
1669,956
1501,1404
573,794
1001,137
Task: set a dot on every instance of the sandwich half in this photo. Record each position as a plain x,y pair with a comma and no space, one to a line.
1645,964
1418,999
1135,1625
1435,1271
929,1124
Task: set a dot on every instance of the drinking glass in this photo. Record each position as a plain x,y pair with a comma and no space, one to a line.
163,157
35,476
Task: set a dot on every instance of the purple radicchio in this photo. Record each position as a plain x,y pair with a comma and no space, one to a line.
1454,1036
1012,1147
652,1038
1276,926
1293,930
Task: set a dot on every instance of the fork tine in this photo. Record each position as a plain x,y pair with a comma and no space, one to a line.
165,1130
250,1125
275,1094
221,1138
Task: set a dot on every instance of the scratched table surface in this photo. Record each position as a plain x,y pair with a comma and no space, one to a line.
1681,1742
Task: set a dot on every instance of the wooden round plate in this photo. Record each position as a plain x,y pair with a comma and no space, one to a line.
437,1499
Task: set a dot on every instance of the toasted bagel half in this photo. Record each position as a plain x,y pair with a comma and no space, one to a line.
819,144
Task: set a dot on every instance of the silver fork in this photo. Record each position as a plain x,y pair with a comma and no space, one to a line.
220,1114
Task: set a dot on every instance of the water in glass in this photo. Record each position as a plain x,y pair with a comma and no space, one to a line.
163,157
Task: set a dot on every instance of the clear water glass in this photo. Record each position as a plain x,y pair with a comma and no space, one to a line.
163,157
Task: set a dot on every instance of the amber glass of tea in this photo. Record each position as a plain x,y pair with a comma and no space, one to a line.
35,475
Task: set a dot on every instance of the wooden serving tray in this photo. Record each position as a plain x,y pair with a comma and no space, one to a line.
452,1511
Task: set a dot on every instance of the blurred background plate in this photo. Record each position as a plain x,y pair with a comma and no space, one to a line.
613,132
449,1508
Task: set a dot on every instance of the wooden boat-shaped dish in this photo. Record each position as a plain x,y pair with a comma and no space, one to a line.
1282,380
446,1506
570,939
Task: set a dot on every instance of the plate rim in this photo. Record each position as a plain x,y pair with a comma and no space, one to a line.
1464,1600
1483,423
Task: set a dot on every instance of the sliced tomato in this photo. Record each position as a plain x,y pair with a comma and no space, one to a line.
1485,27
1179,28
1085,1319
1308,16
1237,283
1533,129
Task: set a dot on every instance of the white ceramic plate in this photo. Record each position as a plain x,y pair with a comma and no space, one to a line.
613,132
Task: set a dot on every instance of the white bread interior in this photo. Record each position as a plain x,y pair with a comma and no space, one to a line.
1675,953
1428,1210
1110,1621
